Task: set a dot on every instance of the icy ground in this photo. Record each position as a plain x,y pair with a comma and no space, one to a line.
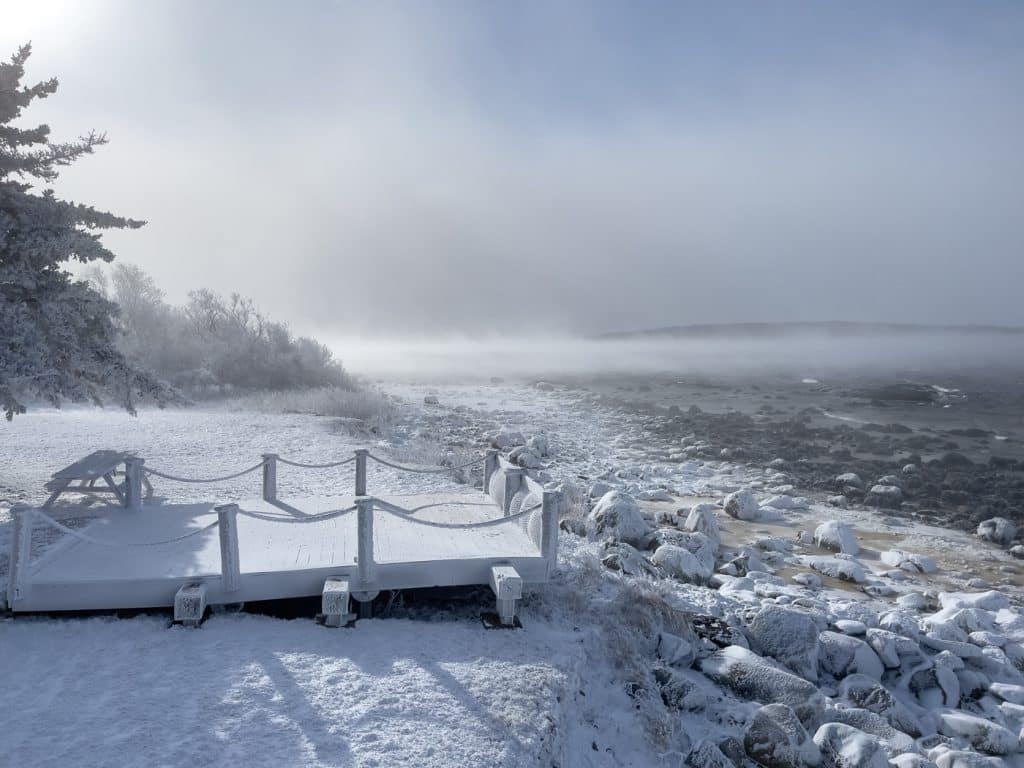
685,626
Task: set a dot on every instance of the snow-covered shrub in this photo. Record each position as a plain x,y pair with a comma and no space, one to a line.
367,405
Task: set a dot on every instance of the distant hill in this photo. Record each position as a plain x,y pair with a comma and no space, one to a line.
826,328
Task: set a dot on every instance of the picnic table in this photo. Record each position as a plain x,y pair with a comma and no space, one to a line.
87,472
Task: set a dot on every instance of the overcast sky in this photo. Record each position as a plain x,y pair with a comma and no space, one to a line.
439,167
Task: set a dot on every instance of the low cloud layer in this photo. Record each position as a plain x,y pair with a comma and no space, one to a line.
424,170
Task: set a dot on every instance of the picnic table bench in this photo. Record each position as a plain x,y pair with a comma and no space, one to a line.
87,472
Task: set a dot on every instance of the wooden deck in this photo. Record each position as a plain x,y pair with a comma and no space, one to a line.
270,548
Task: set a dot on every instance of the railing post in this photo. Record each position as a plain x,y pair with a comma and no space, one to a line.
133,473
365,542
21,552
230,569
513,480
361,454
551,503
270,477
490,464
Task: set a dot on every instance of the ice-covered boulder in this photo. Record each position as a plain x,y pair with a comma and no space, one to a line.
984,735
843,746
742,505
998,530
506,438
935,687
841,655
849,479
837,568
599,489
909,561
960,758
681,693
622,557
701,519
785,501
838,500
864,693
707,754
807,579
787,635
674,650
836,536
538,444
885,496
680,563
525,457
751,677
872,724
654,494
775,738
617,515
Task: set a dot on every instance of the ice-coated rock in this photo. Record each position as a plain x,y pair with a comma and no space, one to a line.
708,755
701,519
806,579
619,556
864,693
893,650
843,746
674,650
599,489
775,738
525,457
680,692
680,563
998,530
911,760
909,561
785,501
751,677
849,479
654,494
886,496
935,687
837,536
507,439
837,568
957,758
985,736
617,515
538,444
742,505
872,724
701,547
839,500
841,655
787,635
1008,692
851,627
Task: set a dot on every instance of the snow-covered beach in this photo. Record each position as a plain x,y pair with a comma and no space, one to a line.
628,657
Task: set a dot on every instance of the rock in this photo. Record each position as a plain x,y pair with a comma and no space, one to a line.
843,746
892,649
911,760
909,561
431,400
742,505
838,537
851,627
702,520
849,479
998,530
654,494
679,692
680,563
839,501
811,580
775,738
787,635
864,693
885,496
525,457
1008,692
1017,551
538,444
785,501
617,515
674,650
935,687
507,439
750,677
872,724
599,489
983,735
842,655
835,568
910,469
956,758
707,755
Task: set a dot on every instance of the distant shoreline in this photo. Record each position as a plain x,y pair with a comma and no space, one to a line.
826,328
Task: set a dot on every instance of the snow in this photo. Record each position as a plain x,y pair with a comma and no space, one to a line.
838,537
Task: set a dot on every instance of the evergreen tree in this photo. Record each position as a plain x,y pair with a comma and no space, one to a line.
58,339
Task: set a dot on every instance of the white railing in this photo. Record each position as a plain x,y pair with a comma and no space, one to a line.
515,493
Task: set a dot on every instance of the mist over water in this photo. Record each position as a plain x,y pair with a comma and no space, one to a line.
451,358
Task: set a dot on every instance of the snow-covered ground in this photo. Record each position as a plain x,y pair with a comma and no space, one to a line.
635,654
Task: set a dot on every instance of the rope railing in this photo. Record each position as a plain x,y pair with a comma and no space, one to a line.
301,465
47,520
175,478
398,512
291,519
425,470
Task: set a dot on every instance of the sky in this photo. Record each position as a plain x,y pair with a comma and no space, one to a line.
438,168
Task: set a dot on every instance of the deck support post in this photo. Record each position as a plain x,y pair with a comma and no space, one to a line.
513,481
230,568
361,454
550,505
364,512
134,472
21,552
270,477
490,465
508,589
190,604
334,603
